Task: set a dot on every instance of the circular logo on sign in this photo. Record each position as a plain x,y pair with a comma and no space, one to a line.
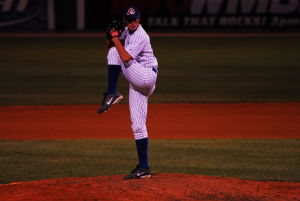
130,11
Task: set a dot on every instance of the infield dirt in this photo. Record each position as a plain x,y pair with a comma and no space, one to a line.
162,187
245,120
264,120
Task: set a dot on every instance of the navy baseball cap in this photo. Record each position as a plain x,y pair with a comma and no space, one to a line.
131,13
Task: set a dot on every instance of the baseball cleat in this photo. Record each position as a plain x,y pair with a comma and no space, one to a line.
139,173
109,100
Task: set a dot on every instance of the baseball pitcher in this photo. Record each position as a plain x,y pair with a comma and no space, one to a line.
130,51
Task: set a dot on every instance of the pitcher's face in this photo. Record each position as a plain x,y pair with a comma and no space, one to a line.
132,24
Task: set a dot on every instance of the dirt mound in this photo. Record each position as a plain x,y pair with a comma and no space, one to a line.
160,187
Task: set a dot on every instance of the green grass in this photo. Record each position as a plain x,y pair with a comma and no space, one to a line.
37,71
257,159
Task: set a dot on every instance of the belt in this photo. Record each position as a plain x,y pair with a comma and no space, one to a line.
155,70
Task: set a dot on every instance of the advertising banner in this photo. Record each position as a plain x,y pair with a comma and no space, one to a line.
218,14
24,15
160,15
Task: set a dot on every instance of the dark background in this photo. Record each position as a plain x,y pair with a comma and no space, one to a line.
158,14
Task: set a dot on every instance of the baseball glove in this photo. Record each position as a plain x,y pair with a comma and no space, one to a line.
114,25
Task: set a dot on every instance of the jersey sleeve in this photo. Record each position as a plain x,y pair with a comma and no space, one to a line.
137,44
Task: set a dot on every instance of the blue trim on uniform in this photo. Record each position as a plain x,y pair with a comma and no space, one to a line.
154,69
142,150
113,76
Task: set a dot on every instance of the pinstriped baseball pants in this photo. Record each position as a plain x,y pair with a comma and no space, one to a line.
141,85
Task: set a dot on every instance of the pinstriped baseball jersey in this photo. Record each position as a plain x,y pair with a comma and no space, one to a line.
139,47
141,73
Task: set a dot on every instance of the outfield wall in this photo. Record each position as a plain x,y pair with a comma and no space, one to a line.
185,15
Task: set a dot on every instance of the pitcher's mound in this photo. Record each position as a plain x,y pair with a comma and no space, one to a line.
158,188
